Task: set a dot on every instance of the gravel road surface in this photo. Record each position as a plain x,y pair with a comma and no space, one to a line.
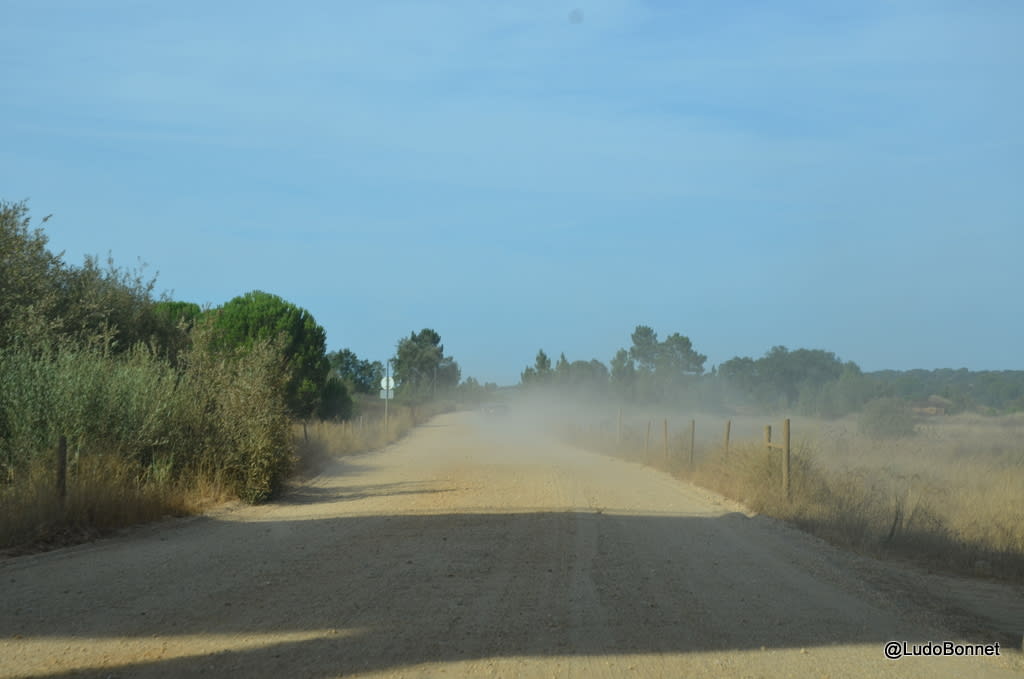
471,550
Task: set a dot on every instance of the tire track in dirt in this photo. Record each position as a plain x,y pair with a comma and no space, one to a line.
470,549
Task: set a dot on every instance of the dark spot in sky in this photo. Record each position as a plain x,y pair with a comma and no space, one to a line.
576,16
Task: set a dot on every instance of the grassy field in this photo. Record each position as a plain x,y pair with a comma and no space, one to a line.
950,497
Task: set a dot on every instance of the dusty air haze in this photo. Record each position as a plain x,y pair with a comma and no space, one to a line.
588,241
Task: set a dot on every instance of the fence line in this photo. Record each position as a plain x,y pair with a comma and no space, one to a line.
784,447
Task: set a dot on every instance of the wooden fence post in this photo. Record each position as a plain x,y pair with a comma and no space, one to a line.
785,457
785,448
728,428
693,434
62,469
664,435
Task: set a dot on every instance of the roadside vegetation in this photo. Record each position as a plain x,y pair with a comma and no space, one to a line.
924,465
325,440
163,407
948,498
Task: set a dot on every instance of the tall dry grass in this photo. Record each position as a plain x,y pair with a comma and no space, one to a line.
103,494
949,497
320,442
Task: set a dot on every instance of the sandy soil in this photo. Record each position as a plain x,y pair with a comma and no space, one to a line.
470,550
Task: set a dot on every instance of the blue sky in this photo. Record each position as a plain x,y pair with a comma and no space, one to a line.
844,176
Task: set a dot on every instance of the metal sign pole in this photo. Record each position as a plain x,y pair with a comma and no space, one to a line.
387,385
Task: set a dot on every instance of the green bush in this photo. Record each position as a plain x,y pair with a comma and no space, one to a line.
239,399
156,407
220,417
886,418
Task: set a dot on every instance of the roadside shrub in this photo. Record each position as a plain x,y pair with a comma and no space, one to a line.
153,406
216,420
236,414
244,398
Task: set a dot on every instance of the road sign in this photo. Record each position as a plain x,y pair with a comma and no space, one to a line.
387,383
387,393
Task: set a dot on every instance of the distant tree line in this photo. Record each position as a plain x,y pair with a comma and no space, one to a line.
651,370
420,368
986,391
806,381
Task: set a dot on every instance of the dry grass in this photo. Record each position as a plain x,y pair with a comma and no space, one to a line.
103,494
322,441
950,497
107,492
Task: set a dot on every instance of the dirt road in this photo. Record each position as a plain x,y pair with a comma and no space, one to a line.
468,551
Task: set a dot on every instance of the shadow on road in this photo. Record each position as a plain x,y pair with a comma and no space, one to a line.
380,592
307,495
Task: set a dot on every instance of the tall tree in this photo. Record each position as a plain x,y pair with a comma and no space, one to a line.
789,371
562,369
623,374
362,376
542,364
540,372
784,378
421,368
260,315
447,375
591,375
676,357
335,400
645,348
739,372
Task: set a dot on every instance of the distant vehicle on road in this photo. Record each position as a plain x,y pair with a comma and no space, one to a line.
494,408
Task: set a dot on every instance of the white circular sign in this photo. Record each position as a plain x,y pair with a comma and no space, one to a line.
387,383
